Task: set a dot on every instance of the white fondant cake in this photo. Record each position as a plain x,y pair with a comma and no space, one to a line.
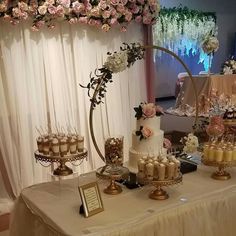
148,138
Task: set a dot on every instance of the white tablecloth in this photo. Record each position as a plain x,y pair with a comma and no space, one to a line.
201,206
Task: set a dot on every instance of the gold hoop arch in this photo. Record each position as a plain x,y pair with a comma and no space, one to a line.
99,85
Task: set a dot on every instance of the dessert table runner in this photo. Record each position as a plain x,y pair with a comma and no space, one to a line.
199,206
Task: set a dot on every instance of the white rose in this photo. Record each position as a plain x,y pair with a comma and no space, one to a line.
42,10
117,62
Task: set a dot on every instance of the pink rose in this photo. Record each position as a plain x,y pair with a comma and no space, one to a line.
95,12
149,110
24,15
60,11
146,132
3,7
23,6
128,16
134,9
52,9
113,11
133,1
83,19
115,2
106,14
120,8
88,6
40,24
147,19
167,143
146,10
102,4
64,3
105,27
113,21
138,19
94,22
16,12
78,7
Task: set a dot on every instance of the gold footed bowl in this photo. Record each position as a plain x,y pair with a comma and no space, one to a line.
159,193
108,173
221,173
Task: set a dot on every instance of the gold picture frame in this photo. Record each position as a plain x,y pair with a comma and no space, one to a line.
91,199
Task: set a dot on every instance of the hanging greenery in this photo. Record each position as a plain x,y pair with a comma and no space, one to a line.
183,30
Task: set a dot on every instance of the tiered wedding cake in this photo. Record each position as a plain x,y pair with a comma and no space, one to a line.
148,138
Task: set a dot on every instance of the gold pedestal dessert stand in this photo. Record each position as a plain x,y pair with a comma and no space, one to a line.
107,173
221,173
159,193
62,169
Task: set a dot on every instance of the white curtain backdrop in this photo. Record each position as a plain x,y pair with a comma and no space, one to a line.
40,73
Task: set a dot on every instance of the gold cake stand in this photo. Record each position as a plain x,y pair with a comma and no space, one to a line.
107,173
159,193
62,169
221,173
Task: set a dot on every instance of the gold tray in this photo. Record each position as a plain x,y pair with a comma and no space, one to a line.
62,169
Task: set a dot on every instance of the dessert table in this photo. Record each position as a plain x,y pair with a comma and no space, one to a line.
204,85
199,206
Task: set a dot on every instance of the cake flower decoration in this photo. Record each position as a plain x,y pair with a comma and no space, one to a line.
148,110
144,132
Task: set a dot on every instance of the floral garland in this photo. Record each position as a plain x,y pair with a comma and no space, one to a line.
183,30
116,62
100,13
229,67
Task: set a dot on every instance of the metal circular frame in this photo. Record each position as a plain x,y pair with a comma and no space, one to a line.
99,85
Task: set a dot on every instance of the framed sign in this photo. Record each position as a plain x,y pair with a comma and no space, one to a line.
91,199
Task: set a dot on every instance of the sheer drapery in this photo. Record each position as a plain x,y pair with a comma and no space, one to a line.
40,77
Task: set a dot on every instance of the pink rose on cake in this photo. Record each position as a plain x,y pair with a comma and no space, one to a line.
149,110
144,132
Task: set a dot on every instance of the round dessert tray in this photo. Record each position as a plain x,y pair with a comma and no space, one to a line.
221,173
62,169
113,174
159,193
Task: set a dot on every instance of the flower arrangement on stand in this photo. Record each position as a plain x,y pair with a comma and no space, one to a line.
103,14
210,45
